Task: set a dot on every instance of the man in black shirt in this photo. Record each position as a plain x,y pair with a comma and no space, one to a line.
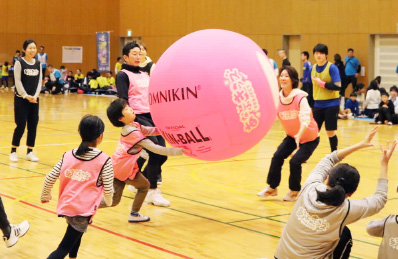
282,55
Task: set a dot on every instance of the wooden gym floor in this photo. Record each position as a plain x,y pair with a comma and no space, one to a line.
214,211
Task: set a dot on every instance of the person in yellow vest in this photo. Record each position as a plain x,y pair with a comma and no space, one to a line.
118,65
326,86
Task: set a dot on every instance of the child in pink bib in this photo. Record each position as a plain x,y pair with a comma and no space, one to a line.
85,174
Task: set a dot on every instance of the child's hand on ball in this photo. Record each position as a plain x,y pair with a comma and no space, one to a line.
187,151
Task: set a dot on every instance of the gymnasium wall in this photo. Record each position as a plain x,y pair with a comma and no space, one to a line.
338,23
58,23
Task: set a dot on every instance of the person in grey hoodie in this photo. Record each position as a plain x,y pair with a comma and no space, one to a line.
322,211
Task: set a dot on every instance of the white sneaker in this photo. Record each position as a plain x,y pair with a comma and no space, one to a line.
17,231
132,188
14,157
155,197
137,217
268,191
31,157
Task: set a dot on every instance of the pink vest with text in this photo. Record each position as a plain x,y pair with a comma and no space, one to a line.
124,160
79,194
138,91
288,115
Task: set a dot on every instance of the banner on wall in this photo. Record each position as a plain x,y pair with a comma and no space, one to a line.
103,52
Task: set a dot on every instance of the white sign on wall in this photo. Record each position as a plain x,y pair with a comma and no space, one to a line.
72,54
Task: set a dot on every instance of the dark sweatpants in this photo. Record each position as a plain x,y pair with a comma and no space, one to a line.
25,114
155,161
286,148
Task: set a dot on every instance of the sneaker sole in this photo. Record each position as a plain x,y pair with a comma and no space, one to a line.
137,221
265,196
150,202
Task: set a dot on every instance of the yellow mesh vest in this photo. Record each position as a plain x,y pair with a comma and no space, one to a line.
319,92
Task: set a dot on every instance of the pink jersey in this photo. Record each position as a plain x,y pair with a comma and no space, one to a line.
124,160
138,91
79,194
288,114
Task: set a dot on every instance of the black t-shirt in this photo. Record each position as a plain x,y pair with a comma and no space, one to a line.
30,76
285,62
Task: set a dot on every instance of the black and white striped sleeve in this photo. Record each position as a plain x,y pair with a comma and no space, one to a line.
49,181
106,178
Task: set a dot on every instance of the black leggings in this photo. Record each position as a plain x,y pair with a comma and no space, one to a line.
69,245
3,217
26,114
155,162
286,148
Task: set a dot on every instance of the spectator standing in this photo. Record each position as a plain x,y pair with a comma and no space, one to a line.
118,65
352,69
282,55
42,57
306,80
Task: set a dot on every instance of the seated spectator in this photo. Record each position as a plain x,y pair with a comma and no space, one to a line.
70,84
352,105
56,82
361,97
393,97
373,99
110,79
46,86
95,73
79,77
377,80
386,110
63,70
102,82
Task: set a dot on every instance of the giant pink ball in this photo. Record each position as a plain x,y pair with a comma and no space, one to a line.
215,93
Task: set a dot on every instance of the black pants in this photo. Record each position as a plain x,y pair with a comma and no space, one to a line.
69,245
43,72
155,162
4,223
25,114
344,85
384,115
343,248
286,148
371,112
353,81
307,87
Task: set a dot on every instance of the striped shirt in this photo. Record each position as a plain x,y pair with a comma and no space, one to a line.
105,177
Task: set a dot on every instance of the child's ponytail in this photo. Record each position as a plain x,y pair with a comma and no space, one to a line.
343,180
90,128
83,148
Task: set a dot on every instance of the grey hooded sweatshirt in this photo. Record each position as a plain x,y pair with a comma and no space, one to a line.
313,229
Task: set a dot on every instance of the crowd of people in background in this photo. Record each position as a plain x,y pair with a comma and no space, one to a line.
62,80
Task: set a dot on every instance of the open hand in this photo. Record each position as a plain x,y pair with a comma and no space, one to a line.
367,141
386,153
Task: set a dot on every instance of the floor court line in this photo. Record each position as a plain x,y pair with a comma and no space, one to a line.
12,178
106,230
